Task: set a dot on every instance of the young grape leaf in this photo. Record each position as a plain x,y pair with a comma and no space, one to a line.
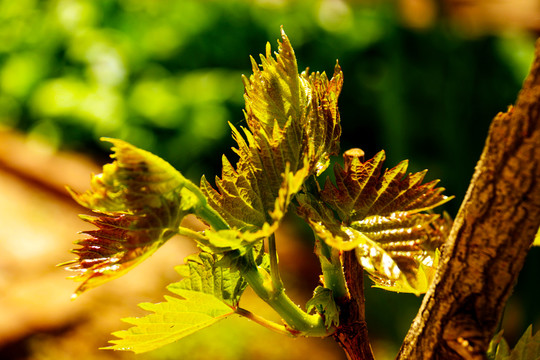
362,190
171,320
497,345
293,128
323,128
141,200
239,240
275,92
201,272
382,217
207,294
323,302
527,348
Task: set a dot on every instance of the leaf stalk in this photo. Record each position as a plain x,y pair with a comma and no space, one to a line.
280,329
332,270
274,267
205,211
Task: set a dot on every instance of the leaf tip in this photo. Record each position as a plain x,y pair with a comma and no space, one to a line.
109,139
116,347
282,30
71,192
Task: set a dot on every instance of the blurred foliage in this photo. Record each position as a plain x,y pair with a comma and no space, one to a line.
165,76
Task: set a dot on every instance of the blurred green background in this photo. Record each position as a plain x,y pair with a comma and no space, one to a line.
423,79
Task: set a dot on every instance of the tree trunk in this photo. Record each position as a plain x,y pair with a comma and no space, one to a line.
489,240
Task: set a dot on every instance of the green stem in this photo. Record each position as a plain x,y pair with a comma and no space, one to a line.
205,211
191,234
212,217
299,322
262,321
274,268
332,269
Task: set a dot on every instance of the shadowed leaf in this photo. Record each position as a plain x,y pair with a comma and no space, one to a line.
323,302
527,348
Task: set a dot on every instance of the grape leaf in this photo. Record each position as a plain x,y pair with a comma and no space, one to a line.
536,241
323,302
141,200
499,346
323,128
240,240
171,320
362,190
527,348
275,92
201,272
293,128
207,294
382,216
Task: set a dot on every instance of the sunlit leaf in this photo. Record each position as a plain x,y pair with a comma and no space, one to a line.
201,273
171,320
536,241
382,216
275,92
323,302
136,179
293,128
363,189
323,126
235,239
141,200
207,294
527,348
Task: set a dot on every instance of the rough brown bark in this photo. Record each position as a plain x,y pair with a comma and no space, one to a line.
352,334
489,240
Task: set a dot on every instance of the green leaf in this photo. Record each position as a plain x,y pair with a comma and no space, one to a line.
293,128
208,294
135,180
323,302
382,216
323,128
202,273
497,345
141,200
240,240
171,320
536,241
275,92
527,348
